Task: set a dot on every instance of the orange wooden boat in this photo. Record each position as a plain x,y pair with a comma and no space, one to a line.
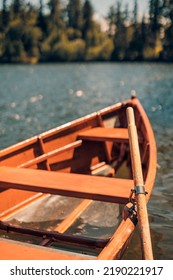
66,193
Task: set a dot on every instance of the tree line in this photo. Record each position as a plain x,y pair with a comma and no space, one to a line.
66,31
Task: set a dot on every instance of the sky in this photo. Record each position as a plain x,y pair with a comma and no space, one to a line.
102,6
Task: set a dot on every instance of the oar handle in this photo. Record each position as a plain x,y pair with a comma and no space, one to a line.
139,186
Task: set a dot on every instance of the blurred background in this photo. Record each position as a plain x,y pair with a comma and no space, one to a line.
76,30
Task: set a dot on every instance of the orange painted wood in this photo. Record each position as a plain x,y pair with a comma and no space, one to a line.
21,251
51,154
105,134
56,138
118,242
19,146
10,199
11,196
67,184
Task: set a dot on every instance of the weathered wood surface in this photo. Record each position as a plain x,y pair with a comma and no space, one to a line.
139,187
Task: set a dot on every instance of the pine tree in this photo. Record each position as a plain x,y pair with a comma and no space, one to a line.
74,12
136,46
168,40
111,19
56,14
5,15
87,18
41,21
120,38
143,29
17,7
155,13
126,13
135,13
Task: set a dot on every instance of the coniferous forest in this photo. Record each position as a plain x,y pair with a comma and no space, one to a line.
66,31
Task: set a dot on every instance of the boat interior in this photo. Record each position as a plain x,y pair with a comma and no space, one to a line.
63,192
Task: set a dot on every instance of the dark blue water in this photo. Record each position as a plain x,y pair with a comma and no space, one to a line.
36,98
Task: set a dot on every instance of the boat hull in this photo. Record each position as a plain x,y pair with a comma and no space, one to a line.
70,162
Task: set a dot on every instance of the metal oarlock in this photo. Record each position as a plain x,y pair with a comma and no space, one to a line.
136,191
140,190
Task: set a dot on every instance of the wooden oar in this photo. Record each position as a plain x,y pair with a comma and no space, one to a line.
139,187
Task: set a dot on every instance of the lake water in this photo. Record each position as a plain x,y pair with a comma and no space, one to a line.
36,98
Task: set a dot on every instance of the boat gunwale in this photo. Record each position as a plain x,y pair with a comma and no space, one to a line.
22,144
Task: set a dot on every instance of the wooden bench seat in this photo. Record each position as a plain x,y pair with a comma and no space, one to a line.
11,250
105,134
67,184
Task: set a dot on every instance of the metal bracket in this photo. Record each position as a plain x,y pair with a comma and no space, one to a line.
140,190
136,191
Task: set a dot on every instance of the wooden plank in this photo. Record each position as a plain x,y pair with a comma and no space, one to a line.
44,164
75,185
120,240
11,201
51,154
105,134
20,251
72,217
